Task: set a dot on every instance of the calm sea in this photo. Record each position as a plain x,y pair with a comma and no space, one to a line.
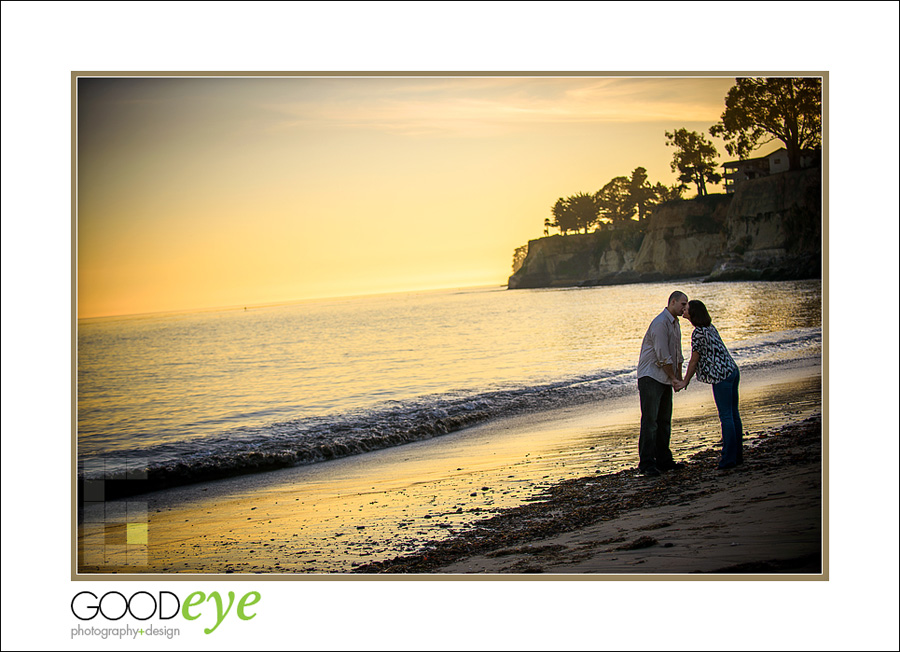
183,397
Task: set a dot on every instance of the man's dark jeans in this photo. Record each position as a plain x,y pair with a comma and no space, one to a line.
656,424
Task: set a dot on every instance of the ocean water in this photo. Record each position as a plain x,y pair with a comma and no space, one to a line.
184,397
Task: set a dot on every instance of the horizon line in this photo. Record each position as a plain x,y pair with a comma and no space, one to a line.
285,302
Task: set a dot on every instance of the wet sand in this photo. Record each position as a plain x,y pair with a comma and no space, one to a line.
342,516
765,517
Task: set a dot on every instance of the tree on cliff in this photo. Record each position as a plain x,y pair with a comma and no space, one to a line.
641,195
760,109
584,209
613,201
574,213
665,193
562,218
694,159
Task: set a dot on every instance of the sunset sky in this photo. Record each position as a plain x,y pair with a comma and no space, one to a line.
201,192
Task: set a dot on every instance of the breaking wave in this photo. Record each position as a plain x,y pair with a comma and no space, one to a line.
315,439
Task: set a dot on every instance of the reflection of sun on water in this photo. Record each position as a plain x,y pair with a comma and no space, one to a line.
746,309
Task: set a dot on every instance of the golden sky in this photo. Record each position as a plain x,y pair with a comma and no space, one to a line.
197,192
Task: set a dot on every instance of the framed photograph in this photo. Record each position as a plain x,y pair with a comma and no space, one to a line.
487,324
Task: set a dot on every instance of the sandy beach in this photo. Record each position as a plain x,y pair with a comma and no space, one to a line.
763,518
555,493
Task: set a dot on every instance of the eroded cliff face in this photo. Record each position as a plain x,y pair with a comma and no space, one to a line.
684,238
586,259
769,228
774,229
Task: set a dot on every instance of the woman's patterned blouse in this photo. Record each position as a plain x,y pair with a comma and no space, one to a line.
715,364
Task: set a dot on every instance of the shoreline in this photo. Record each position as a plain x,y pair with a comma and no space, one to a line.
340,516
135,484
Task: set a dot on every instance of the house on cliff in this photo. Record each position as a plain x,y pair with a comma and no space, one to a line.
738,172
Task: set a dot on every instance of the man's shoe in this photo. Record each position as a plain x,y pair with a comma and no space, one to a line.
650,472
674,466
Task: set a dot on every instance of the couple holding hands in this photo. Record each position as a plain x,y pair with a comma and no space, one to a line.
659,376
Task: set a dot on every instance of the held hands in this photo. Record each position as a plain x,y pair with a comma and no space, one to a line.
679,385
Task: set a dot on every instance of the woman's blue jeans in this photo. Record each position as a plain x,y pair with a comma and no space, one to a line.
726,397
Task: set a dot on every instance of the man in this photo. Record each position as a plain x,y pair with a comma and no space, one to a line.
659,367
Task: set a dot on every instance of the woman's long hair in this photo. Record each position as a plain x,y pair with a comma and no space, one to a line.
698,314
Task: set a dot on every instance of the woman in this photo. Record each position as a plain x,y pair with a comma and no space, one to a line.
713,364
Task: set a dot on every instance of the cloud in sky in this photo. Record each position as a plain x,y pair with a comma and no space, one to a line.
488,106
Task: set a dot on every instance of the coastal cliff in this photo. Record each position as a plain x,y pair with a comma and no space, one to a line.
601,257
769,229
774,229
